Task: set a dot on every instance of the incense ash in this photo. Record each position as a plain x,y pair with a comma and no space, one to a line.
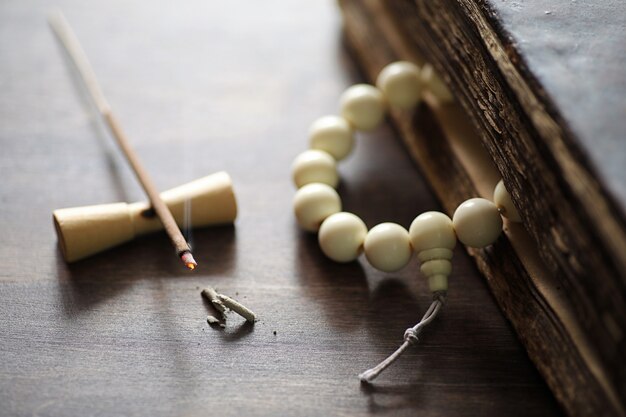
214,321
223,303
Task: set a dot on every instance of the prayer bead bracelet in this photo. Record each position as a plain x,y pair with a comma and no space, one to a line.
387,246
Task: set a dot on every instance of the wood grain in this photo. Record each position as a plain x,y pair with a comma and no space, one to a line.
208,87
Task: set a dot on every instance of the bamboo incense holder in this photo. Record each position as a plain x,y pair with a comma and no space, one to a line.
85,231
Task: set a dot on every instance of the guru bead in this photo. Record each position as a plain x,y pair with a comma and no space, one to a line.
363,106
401,84
477,222
314,166
431,230
313,203
332,134
387,247
502,199
433,238
341,237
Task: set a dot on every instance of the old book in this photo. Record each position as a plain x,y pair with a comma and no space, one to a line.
540,100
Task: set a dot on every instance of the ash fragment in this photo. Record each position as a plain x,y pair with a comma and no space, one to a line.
213,321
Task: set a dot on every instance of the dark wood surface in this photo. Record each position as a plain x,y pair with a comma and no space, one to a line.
201,88
543,311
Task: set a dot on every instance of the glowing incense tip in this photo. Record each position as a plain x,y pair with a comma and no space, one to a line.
188,260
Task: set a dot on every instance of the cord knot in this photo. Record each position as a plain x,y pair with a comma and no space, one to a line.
440,296
410,336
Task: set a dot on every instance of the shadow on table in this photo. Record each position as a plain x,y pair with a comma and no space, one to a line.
349,298
340,289
103,276
385,398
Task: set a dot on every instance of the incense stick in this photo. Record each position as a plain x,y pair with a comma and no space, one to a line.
68,39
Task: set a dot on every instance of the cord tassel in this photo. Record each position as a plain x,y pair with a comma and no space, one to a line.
410,338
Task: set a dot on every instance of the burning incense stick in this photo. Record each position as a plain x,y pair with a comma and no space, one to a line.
64,32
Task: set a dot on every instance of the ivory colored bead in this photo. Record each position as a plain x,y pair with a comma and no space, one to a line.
387,247
436,267
401,83
332,134
433,238
503,201
341,236
477,222
435,84
363,106
313,203
432,230
437,270
314,166
433,254
438,283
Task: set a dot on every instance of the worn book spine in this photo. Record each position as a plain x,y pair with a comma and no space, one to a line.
544,275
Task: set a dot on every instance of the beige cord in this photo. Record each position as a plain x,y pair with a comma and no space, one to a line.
410,338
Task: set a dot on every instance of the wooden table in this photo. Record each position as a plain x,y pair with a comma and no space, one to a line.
200,88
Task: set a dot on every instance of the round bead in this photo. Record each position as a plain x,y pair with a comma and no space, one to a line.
503,201
363,106
314,166
432,230
332,134
341,237
313,203
435,84
477,222
387,247
401,83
